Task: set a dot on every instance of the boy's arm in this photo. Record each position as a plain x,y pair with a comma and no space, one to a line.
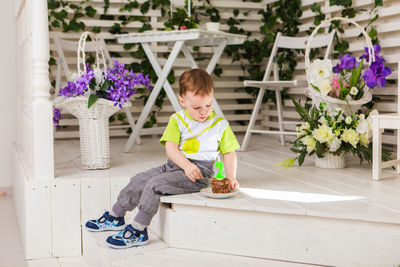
230,163
191,170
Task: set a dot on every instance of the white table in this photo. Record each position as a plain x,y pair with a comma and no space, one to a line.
182,40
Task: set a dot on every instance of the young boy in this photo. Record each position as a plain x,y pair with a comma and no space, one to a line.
193,139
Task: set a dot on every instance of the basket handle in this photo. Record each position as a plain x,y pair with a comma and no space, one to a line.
309,41
100,58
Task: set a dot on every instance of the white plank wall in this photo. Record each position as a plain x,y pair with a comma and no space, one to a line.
66,218
227,84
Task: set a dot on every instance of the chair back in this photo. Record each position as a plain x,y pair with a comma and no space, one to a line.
322,40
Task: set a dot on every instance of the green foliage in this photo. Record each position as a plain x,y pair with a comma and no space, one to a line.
180,20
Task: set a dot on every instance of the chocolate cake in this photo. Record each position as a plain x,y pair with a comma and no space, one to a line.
219,186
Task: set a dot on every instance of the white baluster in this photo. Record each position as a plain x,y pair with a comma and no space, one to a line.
43,158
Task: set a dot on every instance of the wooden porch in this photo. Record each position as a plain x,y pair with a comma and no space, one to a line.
302,214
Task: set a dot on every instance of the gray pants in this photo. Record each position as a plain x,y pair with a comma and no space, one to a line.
145,189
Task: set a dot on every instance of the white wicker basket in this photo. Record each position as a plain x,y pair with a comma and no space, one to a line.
350,106
330,161
93,121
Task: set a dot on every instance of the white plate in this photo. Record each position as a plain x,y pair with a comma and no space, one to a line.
208,193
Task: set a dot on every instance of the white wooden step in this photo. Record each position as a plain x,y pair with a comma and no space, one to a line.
59,262
158,253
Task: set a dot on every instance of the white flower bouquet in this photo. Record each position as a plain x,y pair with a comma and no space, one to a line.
332,132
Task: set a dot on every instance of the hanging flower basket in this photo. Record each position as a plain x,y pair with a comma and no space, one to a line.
347,105
93,97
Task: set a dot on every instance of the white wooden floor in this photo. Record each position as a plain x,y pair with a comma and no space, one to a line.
348,193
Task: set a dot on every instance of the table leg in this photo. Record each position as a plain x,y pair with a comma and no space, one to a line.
157,69
210,67
153,96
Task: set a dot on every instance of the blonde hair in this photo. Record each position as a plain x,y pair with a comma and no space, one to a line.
197,81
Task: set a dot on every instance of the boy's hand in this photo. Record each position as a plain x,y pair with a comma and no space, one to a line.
234,184
193,172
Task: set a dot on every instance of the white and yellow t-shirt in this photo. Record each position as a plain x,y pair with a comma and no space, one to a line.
200,140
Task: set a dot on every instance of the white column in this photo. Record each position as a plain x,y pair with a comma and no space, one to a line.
43,154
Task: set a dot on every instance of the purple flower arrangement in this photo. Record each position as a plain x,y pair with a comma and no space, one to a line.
117,84
349,83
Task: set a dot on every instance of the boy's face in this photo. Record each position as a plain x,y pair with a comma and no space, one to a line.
199,107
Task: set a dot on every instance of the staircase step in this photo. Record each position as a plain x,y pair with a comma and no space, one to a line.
158,253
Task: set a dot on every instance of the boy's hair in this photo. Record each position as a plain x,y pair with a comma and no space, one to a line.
197,81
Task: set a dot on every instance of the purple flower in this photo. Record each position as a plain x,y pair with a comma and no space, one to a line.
56,117
337,68
376,75
377,49
121,84
347,62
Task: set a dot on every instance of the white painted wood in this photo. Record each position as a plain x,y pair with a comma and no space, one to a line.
296,238
156,90
38,238
95,197
157,253
170,92
42,133
66,218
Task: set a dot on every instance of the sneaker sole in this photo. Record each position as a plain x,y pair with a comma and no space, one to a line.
119,228
136,244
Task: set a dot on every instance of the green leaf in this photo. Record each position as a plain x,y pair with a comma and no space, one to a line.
96,29
92,100
90,11
301,158
145,7
52,61
105,86
287,163
315,87
378,3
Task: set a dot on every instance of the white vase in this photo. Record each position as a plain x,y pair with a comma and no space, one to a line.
330,161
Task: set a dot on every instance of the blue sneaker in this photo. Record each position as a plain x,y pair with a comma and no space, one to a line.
106,222
129,237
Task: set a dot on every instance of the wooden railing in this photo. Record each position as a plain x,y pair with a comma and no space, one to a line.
34,118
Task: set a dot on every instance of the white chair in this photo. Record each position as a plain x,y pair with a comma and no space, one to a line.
62,45
277,86
379,123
